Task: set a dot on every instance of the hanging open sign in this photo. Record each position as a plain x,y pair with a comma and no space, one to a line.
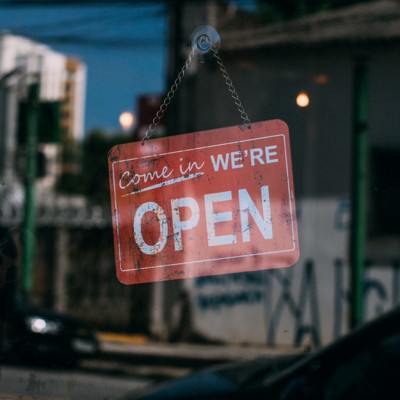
204,203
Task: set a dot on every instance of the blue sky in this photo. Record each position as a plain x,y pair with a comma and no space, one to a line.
117,74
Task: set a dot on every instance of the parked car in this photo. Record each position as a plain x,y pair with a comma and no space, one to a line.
364,364
40,336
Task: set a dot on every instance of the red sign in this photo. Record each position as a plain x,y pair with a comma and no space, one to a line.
204,203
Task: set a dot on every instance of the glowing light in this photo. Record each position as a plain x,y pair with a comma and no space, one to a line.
126,119
302,99
38,325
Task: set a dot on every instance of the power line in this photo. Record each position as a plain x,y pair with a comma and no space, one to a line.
75,3
80,40
85,21
90,30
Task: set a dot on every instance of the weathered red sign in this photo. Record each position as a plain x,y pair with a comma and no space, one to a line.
204,203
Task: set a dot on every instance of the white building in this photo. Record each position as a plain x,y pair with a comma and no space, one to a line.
57,72
62,81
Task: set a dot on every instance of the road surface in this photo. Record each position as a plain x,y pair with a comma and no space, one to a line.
111,382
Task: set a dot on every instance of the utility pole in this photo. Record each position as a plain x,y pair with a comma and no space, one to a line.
359,192
30,178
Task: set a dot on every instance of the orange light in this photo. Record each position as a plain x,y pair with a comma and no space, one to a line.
302,100
126,119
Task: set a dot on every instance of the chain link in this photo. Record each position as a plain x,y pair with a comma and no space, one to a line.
178,80
168,98
231,88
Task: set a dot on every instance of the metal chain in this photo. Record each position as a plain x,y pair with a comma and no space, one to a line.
178,80
231,88
168,98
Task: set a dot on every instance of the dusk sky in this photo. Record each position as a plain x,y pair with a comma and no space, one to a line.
116,72
123,47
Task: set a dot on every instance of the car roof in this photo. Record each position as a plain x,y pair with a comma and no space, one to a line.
361,337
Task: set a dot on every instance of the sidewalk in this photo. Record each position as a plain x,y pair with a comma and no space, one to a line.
143,349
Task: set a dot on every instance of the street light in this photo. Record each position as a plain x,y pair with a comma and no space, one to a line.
126,119
303,100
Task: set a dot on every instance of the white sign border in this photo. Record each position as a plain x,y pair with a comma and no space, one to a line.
209,259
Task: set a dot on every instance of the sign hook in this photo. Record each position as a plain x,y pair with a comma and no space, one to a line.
205,38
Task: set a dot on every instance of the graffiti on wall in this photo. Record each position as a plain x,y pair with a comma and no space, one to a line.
302,301
252,291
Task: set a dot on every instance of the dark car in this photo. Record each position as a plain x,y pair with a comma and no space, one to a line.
218,380
40,336
365,364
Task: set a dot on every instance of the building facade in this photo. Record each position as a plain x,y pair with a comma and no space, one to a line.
320,56
62,83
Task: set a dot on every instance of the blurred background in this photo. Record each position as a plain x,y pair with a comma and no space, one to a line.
77,77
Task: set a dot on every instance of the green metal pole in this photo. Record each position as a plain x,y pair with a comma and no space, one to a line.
359,187
30,177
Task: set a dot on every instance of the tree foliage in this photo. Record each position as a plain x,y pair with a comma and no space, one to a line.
85,169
